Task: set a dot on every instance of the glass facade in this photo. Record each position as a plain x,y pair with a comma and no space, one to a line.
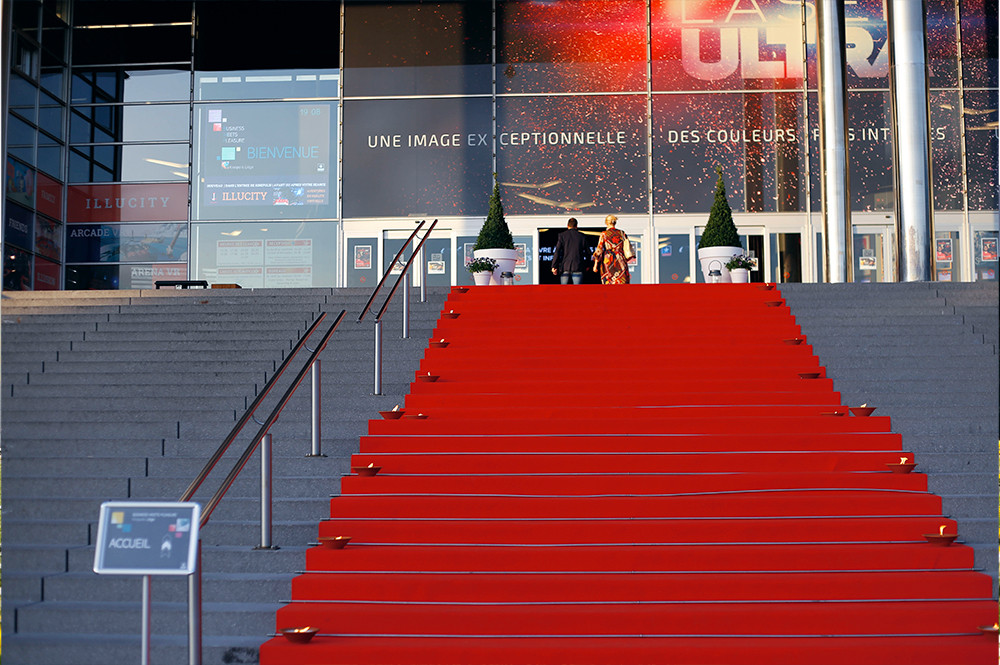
145,139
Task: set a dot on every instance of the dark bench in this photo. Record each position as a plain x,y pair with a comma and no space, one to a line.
182,283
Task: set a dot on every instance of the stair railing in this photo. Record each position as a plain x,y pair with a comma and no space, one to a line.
405,279
262,439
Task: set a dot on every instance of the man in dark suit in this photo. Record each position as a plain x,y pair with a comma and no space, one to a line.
570,255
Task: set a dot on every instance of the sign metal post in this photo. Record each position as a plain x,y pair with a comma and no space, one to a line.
147,538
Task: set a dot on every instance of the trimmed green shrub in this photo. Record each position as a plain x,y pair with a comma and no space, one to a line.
720,230
495,234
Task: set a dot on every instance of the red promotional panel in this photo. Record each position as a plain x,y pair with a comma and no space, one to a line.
50,197
128,203
46,275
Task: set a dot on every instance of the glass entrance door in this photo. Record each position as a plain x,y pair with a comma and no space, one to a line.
438,258
874,253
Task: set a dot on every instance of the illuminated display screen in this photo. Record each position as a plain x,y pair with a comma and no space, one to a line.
264,160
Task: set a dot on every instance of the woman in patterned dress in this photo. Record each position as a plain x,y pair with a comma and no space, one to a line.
609,257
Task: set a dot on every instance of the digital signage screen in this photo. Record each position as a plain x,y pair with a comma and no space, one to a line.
265,161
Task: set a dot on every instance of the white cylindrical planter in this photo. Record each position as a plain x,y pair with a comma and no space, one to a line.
740,275
505,258
717,257
482,278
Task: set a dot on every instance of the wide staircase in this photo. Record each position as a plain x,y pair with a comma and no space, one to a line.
652,474
116,395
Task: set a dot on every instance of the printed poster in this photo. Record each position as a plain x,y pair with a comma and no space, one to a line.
988,249
944,249
239,253
362,257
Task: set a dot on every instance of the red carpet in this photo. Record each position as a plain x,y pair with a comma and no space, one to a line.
633,475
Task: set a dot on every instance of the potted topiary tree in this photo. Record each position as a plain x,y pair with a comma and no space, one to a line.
720,240
495,240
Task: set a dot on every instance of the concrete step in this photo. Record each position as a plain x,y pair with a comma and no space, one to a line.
229,509
955,443
216,588
219,559
105,430
899,336
978,463
98,415
82,617
830,319
972,483
181,378
859,388
975,374
247,485
35,558
60,649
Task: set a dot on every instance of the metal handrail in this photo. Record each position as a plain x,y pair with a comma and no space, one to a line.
416,250
388,270
252,446
238,427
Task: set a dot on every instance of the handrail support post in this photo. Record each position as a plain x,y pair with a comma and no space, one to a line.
147,606
406,304
378,357
317,410
266,491
194,611
423,275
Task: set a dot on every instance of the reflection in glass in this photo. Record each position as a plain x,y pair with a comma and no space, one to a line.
169,122
50,160
869,257
23,96
143,163
267,84
112,46
942,49
870,152
946,157
95,86
758,139
571,46
19,132
674,255
981,129
266,255
122,276
979,43
417,48
568,154
789,253
16,269
50,118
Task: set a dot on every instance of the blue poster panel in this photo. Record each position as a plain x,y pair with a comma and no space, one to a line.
104,243
265,161
19,226
417,158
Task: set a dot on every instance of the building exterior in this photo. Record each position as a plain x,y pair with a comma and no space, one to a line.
296,143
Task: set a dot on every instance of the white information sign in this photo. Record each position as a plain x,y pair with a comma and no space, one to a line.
147,538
